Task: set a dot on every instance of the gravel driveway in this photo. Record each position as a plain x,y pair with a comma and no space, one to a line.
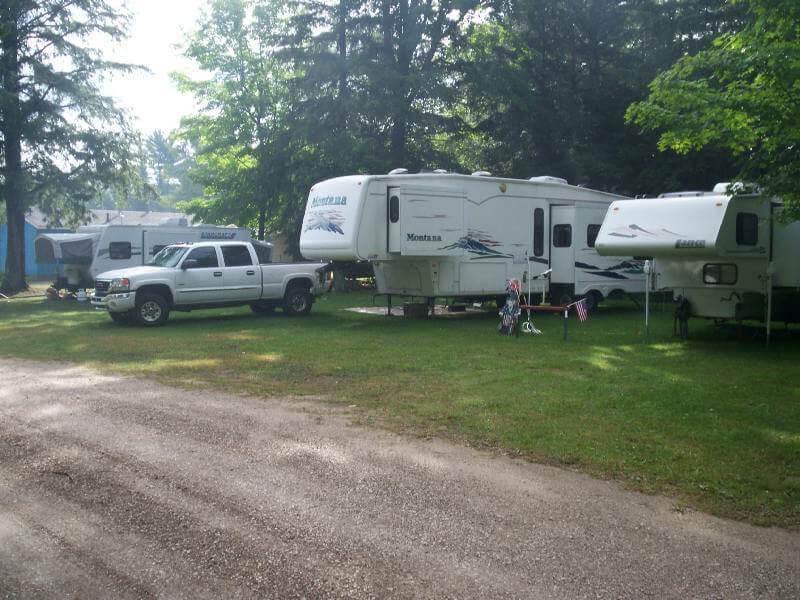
116,487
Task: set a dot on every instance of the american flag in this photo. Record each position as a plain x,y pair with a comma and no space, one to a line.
580,308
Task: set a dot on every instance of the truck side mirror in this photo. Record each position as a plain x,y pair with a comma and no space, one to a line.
189,263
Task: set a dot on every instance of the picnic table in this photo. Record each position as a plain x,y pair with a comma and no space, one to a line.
538,308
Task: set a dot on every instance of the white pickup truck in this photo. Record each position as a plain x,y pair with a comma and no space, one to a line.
186,277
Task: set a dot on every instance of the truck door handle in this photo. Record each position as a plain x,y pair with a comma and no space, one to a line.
217,273
251,272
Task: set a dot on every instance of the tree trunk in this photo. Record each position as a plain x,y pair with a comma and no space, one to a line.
400,100
262,221
11,118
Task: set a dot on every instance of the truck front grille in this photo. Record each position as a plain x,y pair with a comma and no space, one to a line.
101,288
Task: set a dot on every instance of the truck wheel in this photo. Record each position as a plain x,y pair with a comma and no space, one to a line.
120,317
297,302
263,308
152,310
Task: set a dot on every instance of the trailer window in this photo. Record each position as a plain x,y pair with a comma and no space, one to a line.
237,256
538,231
591,235
562,236
119,250
720,274
747,229
206,257
394,209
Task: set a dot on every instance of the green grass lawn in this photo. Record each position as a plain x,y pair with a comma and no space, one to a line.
713,422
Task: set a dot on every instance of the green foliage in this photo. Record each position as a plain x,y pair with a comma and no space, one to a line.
741,94
546,84
241,135
294,94
63,141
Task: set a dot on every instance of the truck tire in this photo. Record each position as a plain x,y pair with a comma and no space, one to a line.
263,308
297,302
120,317
152,310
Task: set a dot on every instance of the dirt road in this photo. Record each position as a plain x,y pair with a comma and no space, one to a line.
116,488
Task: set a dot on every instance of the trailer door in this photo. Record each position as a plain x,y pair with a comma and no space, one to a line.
562,246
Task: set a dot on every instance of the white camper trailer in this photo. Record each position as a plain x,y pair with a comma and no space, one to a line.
464,236
95,249
729,257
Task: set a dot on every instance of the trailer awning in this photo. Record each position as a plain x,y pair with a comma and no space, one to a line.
65,248
688,226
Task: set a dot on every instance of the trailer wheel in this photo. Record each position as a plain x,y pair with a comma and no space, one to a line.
152,310
120,317
263,308
297,302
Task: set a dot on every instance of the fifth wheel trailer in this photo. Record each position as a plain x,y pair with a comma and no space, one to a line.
464,236
94,249
730,257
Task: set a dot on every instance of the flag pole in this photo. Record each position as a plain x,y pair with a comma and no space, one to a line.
647,269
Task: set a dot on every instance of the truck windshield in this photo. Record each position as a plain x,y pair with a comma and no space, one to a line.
168,257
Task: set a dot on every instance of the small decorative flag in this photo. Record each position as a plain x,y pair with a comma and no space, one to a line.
580,308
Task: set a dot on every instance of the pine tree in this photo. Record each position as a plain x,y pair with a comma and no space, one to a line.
58,150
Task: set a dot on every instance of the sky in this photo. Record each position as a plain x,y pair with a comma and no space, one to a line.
157,28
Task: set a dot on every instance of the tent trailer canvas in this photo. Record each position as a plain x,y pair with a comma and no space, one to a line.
97,248
464,236
730,257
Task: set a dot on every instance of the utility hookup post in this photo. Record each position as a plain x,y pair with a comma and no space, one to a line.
647,270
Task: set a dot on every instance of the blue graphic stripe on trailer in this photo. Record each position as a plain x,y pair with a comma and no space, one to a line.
609,274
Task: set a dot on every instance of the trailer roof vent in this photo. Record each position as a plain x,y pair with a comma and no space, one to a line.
399,171
440,171
689,194
174,222
481,174
548,179
721,188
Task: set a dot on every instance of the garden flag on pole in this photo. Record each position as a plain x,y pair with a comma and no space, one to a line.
580,308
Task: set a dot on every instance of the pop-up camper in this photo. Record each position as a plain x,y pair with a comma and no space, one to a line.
95,249
464,236
728,256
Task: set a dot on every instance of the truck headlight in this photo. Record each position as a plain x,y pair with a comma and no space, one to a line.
119,286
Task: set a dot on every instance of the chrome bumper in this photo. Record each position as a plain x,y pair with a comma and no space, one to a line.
115,302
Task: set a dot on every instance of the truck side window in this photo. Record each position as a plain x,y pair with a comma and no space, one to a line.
119,250
206,257
591,234
562,236
747,229
264,253
538,231
236,256
394,209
